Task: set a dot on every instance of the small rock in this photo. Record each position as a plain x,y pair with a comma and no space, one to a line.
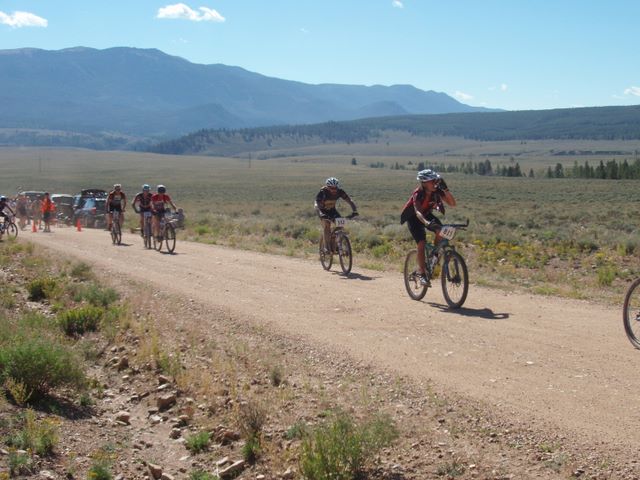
163,380
288,474
166,476
47,475
123,417
166,401
222,461
175,433
155,470
232,470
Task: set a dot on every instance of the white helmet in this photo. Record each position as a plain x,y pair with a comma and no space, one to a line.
426,175
332,182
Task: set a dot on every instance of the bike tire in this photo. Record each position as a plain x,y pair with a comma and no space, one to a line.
116,234
12,230
455,279
631,314
326,257
345,254
157,242
415,289
170,238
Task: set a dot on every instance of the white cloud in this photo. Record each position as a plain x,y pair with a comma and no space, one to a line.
503,87
185,12
462,96
397,4
22,19
635,91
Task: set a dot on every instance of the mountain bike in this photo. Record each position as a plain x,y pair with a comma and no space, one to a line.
116,233
9,227
146,229
340,244
631,313
442,260
167,234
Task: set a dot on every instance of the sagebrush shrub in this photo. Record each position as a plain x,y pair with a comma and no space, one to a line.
80,320
40,364
199,442
42,288
340,448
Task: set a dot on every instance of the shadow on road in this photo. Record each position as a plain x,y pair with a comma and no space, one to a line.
353,276
485,313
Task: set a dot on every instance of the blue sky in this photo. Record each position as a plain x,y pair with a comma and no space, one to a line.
511,54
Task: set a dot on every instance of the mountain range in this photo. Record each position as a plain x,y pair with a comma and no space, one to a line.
147,93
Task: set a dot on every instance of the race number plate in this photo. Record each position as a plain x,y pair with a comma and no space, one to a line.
341,222
448,232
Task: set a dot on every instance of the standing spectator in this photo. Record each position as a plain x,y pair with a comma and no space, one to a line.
21,209
48,208
36,212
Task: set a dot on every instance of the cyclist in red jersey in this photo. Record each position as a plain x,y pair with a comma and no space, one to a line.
143,202
418,212
158,201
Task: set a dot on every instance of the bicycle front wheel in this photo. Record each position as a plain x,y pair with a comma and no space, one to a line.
170,238
415,288
12,230
116,234
631,314
455,279
157,241
326,257
146,235
345,253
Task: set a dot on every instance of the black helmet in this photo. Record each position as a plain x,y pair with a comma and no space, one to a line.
162,189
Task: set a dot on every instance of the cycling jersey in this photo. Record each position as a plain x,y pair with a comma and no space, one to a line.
116,200
158,200
143,201
422,201
326,199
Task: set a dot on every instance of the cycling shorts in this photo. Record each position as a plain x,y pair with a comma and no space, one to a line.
115,208
330,214
418,229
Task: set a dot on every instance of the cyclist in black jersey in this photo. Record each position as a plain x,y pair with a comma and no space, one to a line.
143,202
325,205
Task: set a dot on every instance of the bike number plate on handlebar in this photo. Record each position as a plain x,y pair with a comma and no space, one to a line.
448,232
146,214
341,222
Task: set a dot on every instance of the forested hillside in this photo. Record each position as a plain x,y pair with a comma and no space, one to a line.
600,123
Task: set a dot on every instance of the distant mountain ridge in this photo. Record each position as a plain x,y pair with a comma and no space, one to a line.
146,92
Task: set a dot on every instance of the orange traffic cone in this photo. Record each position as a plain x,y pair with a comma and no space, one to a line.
78,226
34,229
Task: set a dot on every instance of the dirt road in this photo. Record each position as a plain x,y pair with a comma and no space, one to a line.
563,363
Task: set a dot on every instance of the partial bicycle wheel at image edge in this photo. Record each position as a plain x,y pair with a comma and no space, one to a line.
415,289
631,313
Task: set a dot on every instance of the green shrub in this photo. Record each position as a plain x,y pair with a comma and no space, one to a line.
198,443
200,475
276,375
100,470
297,431
251,449
340,449
606,275
81,271
39,436
40,364
42,288
80,320
96,295
20,463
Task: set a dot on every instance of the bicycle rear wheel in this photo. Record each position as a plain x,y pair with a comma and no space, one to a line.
415,289
631,314
170,238
344,253
157,241
455,279
326,257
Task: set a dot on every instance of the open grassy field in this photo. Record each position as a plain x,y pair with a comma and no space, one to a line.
567,237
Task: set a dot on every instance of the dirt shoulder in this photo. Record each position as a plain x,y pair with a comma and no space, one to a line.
552,376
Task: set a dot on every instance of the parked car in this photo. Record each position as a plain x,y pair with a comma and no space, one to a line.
85,199
92,213
32,195
64,207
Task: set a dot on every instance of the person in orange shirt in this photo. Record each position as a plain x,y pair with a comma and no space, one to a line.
48,209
